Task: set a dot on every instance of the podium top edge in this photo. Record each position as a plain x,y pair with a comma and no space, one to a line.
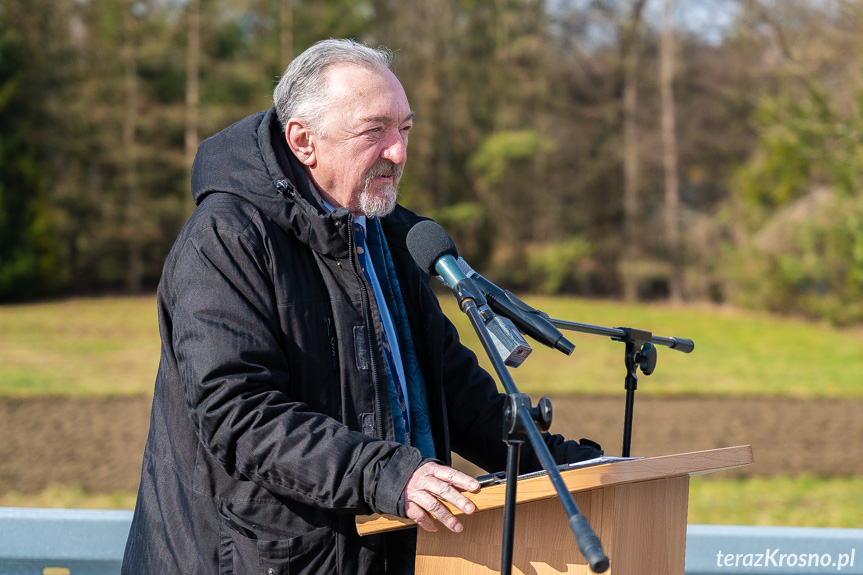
587,478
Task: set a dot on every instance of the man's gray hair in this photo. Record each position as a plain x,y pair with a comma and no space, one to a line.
302,91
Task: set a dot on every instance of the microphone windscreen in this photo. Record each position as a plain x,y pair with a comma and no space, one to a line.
427,242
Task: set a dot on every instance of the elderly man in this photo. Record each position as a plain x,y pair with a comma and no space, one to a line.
307,372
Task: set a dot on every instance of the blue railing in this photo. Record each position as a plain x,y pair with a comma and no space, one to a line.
62,541
85,542
719,549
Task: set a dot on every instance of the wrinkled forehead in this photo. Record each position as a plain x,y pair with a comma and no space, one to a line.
358,93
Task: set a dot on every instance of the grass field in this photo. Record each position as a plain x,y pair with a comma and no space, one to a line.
98,346
794,501
110,346
736,352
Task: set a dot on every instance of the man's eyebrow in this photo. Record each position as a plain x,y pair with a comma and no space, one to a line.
385,119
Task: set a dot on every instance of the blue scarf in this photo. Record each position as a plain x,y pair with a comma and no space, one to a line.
421,435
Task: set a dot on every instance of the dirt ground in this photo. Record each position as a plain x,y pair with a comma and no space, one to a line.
96,444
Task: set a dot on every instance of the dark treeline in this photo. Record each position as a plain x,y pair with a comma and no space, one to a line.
612,148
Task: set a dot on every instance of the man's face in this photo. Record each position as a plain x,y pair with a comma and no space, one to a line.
358,162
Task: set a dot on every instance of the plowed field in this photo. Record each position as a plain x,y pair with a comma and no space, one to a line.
96,444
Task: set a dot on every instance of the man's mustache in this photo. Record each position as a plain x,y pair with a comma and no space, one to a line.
385,168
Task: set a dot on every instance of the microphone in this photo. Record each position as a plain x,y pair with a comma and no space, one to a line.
434,251
529,320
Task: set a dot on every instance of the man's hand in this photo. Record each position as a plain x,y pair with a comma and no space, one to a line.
432,484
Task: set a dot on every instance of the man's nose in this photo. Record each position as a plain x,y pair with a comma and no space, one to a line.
396,149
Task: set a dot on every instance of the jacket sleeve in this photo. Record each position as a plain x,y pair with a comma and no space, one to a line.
475,410
225,336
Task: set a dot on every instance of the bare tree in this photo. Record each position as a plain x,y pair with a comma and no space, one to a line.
130,148
193,66
286,32
669,141
630,43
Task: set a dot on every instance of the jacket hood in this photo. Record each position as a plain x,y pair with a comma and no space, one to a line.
244,160
250,160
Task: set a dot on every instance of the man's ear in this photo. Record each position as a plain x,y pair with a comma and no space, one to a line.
300,142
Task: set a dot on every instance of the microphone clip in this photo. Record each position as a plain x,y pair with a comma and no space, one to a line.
510,345
466,289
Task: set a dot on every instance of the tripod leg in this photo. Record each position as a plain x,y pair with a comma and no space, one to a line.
630,384
627,423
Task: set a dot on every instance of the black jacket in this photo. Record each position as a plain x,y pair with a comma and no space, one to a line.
270,429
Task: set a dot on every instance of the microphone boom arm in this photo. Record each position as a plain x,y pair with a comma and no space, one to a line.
626,334
640,353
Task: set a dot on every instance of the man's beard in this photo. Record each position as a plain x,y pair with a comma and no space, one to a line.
383,201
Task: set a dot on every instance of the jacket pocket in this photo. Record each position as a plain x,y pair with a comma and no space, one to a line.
241,552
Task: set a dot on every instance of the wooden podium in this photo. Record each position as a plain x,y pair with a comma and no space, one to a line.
637,508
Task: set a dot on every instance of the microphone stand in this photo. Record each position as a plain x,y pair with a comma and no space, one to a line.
520,422
640,353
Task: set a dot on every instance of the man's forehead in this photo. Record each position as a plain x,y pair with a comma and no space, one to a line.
348,77
366,95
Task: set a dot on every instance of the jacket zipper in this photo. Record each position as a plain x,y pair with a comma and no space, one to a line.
369,326
331,336
338,396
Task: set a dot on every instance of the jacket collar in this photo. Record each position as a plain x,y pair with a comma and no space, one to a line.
244,160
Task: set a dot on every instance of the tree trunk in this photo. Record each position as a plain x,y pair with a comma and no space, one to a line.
669,140
193,66
631,226
286,33
130,122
